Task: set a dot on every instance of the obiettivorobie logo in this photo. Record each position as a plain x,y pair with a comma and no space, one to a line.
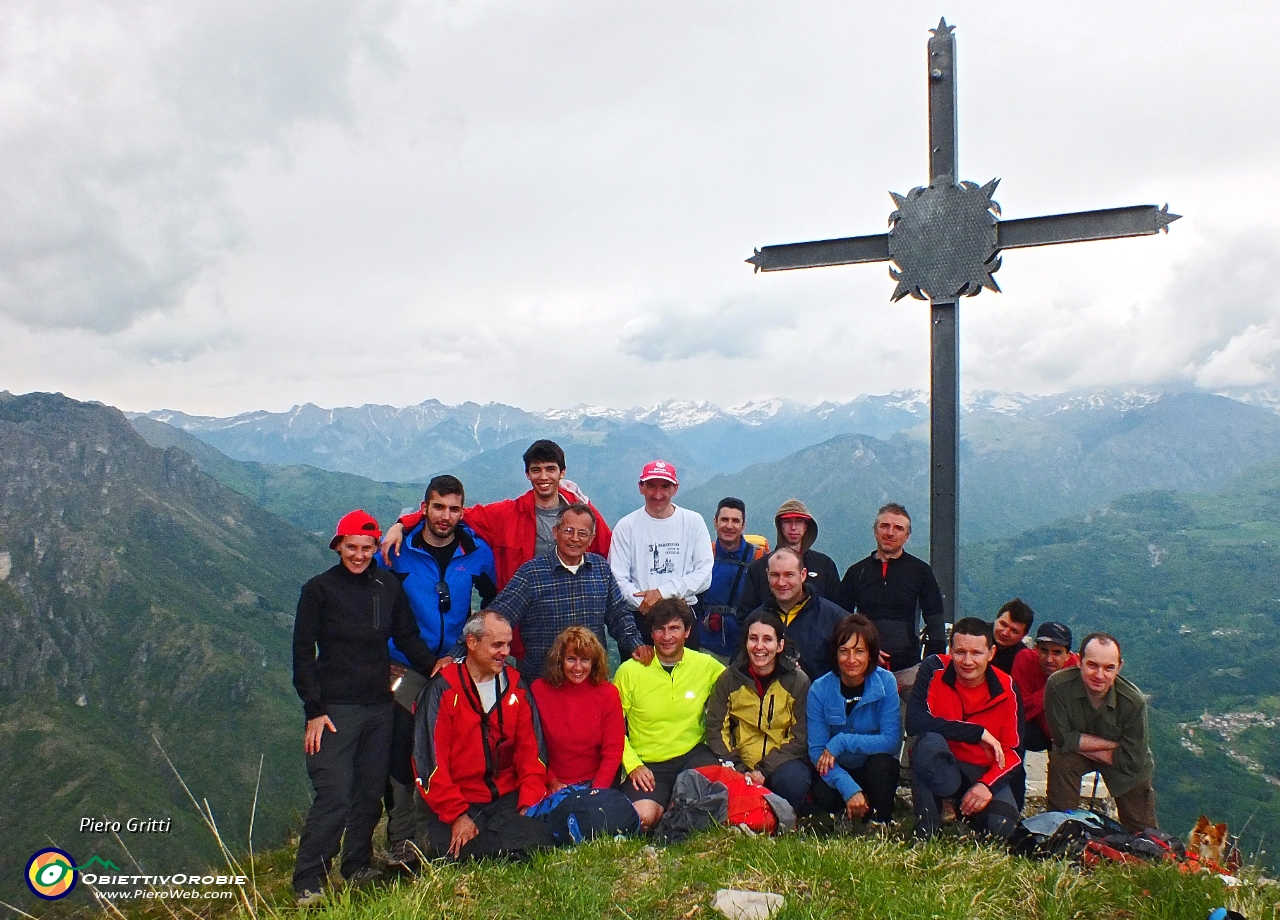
52,873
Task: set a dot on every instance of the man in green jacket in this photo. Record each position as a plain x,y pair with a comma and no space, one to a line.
665,703
1099,722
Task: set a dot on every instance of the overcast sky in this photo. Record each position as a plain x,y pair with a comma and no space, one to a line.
218,207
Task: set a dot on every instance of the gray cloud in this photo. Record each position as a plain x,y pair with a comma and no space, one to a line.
735,328
221,202
119,123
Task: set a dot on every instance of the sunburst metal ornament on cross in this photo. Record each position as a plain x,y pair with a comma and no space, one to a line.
945,241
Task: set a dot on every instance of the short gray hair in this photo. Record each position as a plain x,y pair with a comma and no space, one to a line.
577,508
475,624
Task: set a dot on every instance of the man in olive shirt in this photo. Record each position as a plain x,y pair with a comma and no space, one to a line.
1099,722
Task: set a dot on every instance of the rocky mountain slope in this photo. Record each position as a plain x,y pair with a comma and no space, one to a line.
139,598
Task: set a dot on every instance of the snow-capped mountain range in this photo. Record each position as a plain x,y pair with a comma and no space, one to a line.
1038,458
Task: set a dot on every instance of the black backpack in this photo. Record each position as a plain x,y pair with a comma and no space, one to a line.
587,813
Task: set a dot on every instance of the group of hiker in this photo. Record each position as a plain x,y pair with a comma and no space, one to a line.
761,663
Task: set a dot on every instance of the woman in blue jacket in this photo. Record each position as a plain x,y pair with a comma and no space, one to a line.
855,726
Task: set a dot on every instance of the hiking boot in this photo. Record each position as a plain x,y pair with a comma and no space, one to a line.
365,876
949,814
404,856
310,897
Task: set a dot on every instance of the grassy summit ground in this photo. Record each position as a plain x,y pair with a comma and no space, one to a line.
820,878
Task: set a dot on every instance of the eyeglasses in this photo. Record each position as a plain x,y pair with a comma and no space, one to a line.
442,594
571,533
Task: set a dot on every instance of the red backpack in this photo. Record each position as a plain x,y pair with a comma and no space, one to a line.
747,803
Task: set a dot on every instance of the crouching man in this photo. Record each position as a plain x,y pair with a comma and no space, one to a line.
1098,720
964,713
478,751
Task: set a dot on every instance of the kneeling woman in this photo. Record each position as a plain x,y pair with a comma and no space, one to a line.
855,726
584,732
341,670
755,717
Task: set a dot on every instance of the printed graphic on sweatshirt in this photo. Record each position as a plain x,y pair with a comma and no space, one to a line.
663,556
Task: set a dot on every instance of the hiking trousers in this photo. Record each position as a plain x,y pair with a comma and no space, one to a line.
1033,739
937,775
503,831
1137,806
348,774
877,775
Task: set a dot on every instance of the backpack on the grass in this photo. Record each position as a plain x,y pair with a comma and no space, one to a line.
578,813
721,795
749,805
1090,839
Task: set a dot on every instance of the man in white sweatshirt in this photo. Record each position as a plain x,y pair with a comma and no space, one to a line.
660,550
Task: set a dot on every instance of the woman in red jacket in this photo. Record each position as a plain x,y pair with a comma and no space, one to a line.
581,713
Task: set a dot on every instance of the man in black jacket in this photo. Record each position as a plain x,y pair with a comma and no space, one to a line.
797,530
810,620
348,613
892,588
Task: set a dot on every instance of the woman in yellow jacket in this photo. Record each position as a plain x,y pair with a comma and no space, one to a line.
756,713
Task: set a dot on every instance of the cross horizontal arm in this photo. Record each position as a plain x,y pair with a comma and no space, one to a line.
1106,224
845,251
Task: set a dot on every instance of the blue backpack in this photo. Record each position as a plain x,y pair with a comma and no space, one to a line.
578,813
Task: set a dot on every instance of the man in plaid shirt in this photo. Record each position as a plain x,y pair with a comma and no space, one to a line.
568,587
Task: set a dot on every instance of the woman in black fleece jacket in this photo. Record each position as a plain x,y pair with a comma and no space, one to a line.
348,614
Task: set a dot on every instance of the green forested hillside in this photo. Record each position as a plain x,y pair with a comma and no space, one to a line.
305,496
138,599
1191,585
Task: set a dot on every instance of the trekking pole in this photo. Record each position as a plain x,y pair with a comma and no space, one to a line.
1093,796
1235,845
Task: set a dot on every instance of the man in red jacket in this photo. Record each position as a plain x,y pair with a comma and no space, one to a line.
478,752
518,529
1031,670
964,713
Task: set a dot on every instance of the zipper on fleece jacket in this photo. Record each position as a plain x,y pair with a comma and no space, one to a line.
760,723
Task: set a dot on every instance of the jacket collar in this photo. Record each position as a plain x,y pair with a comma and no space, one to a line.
873,685
808,599
527,502
994,687
465,683
466,538
783,667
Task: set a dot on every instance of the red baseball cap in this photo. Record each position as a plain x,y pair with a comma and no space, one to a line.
659,469
355,524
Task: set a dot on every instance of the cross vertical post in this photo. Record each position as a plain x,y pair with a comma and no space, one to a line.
944,243
944,339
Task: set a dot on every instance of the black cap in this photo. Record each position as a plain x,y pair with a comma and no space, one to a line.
1057,633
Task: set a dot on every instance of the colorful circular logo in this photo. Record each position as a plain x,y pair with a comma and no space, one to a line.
51,874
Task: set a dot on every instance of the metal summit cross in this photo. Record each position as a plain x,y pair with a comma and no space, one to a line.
945,240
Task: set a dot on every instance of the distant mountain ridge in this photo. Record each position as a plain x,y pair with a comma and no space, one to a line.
1017,470
413,443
